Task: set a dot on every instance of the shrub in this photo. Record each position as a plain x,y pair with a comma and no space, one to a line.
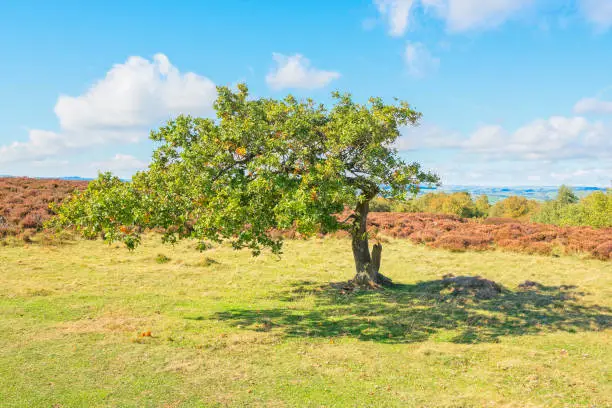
457,234
594,210
463,241
565,195
162,259
380,204
33,220
460,204
514,207
482,205
603,251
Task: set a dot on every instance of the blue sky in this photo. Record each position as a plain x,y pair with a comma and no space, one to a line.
513,92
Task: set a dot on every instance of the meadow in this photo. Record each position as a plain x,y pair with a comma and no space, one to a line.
88,324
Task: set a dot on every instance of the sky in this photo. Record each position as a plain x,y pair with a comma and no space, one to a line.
513,92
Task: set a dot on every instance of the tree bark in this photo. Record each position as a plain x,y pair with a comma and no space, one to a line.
367,266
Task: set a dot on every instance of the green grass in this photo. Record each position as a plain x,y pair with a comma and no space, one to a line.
228,329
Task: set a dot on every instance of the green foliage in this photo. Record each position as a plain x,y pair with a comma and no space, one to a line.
594,210
565,210
162,259
566,195
380,204
108,207
482,205
460,204
262,164
514,207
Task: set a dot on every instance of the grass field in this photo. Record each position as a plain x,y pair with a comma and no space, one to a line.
228,329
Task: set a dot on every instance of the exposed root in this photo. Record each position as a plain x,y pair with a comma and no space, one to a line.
363,282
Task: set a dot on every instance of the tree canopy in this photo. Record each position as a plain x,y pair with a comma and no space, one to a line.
261,164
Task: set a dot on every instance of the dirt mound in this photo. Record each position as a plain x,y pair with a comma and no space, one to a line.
529,285
473,286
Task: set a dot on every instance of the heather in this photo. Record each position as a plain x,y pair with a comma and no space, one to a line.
460,234
25,202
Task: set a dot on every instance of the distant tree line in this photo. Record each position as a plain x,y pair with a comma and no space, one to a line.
566,209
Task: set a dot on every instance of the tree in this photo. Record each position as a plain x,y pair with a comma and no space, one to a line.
482,205
263,164
566,195
513,207
594,210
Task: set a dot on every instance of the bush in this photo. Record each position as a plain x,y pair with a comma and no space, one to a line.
594,210
162,259
514,207
458,234
459,204
380,204
482,205
33,220
603,251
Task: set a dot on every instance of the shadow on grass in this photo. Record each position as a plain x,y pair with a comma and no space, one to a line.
414,313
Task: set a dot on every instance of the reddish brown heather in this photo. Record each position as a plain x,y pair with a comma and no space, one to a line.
457,234
24,202
24,207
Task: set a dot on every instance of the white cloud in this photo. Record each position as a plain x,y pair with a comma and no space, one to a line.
41,144
295,71
549,139
135,94
426,136
598,12
121,107
587,174
120,162
397,13
592,105
557,137
49,163
459,15
419,60
465,15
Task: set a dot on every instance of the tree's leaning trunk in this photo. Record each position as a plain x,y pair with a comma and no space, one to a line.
366,266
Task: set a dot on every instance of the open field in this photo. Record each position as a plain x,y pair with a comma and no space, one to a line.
227,329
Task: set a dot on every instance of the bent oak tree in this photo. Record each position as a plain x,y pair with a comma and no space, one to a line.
261,164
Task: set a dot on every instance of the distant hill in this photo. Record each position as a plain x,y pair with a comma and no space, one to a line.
76,178
542,193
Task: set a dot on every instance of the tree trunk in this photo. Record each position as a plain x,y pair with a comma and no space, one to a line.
366,266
